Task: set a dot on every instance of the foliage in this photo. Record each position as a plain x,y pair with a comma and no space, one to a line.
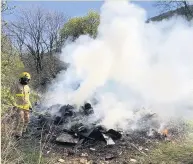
35,32
11,66
80,26
11,63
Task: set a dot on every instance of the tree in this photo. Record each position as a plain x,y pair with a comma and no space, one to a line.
36,32
11,66
182,7
80,26
9,56
5,7
10,62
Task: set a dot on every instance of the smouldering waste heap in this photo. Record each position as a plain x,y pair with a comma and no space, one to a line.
131,64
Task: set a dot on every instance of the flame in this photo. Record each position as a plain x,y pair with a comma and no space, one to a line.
165,132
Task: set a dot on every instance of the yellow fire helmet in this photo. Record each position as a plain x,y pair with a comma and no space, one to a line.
25,74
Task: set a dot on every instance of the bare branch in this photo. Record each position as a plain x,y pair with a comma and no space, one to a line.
36,32
182,7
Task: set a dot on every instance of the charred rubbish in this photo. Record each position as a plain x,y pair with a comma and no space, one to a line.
78,131
67,129
87,109
64,114
93,133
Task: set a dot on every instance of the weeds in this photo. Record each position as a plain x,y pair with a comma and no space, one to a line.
23,151
173,152
9,152
32,150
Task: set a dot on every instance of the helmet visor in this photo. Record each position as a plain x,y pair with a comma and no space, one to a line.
24,80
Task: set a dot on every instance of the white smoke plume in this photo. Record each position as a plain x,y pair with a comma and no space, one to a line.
131,64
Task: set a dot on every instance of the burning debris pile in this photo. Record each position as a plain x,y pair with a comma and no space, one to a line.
69,126
145,74
70,132
78,131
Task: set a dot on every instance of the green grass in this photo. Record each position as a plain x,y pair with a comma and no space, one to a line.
176,152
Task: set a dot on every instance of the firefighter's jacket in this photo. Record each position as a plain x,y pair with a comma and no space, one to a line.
20,96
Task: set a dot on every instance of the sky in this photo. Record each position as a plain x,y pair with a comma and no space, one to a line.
72,8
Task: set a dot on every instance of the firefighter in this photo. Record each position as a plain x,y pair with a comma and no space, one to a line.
21,103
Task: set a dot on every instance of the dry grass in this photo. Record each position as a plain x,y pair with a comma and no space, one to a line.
30,151
173,152
24,151
9,152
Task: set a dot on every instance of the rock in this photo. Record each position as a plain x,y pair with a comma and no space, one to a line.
61,160
133,160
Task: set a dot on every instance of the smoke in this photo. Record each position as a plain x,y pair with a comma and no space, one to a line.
131,64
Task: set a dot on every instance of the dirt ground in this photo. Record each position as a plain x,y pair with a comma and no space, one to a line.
124,151
165,152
